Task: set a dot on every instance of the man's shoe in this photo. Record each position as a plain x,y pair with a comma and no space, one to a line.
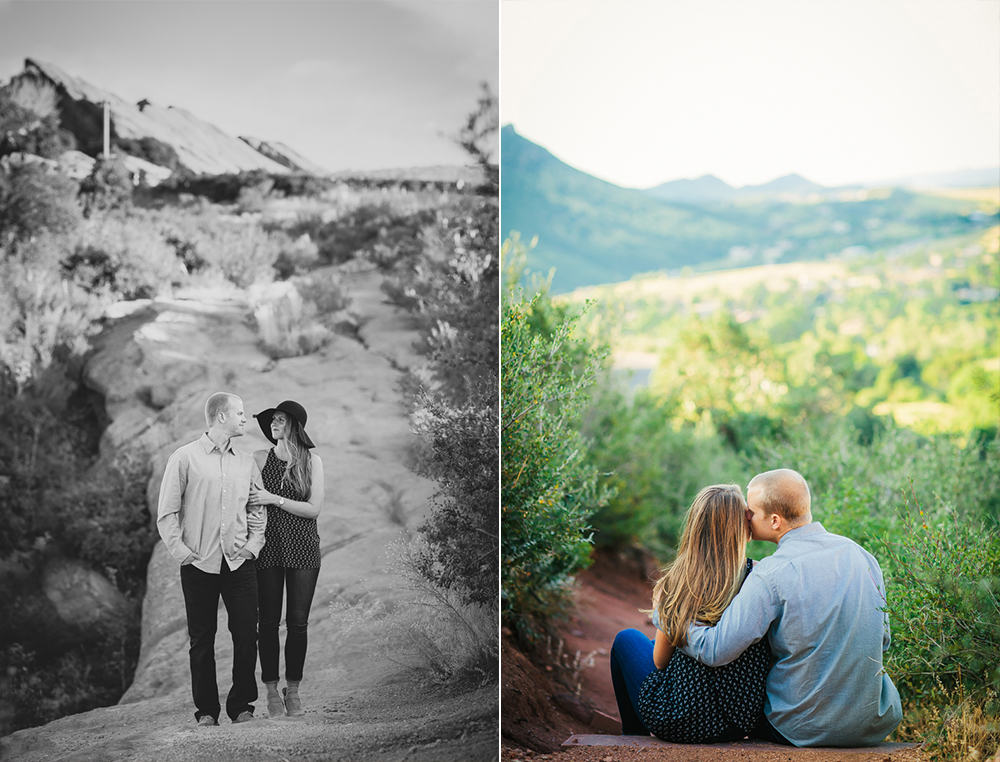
207,720
244,717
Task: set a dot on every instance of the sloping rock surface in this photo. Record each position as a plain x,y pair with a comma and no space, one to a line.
284,155
155,368
200,146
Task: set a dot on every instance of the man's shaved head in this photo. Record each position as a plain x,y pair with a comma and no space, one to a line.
785,492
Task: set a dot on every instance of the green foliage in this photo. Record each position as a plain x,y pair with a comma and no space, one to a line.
653,464
943,593
547,490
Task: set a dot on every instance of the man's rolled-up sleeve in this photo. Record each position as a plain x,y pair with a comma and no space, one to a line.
743,623
168,507
257,526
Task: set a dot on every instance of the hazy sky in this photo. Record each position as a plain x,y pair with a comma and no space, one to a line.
839,91
349,84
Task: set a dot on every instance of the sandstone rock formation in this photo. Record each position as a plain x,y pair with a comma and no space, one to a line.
200,146
155,365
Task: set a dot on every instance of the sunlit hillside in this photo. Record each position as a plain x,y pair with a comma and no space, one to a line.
910,331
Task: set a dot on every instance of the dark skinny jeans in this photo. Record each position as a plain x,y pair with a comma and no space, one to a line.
272,583
238,589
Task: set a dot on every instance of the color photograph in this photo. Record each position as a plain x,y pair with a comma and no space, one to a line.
750,380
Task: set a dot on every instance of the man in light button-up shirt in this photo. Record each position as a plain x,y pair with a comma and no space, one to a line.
203,519
820,599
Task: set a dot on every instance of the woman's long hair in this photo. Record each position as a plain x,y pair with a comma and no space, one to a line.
710,563
298,470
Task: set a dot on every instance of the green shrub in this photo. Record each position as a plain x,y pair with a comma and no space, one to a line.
944,584
654,464
547,491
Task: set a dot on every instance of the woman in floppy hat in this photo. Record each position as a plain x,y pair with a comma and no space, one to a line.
292,475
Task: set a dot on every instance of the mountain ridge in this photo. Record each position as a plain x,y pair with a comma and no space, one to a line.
591,231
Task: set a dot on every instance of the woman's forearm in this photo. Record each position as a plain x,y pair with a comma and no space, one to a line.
299,508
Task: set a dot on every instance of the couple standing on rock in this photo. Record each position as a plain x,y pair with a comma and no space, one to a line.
244,528
788,650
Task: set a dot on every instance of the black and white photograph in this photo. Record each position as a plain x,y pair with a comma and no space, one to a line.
249,352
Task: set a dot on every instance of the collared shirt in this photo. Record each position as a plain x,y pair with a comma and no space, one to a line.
203,505
821,600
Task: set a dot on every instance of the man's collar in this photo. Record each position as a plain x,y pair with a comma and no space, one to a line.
209,445
806,529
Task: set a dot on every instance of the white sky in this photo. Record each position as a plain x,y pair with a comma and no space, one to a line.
839,91
355,84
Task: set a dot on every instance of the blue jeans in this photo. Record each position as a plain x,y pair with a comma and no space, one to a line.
272,583
631,663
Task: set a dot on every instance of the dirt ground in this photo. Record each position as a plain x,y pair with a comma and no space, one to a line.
538,710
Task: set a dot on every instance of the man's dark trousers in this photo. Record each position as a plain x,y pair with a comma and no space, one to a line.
238,589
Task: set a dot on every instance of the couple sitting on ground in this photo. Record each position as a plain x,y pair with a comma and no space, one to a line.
787,650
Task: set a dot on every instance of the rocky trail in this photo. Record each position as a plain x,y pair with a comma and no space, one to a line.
543,708
155,367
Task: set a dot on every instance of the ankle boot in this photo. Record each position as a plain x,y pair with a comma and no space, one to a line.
275,706
293,705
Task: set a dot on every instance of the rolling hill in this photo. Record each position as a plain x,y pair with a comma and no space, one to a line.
594,232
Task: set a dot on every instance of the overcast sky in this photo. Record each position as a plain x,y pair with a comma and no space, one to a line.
839,91
356,84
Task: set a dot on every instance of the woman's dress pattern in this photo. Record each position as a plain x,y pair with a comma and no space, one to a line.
289,540
689,702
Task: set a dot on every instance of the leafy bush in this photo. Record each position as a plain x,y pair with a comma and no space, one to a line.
29,120
653,464
451,293
944,583
108,187
122,257
286,323
44,318
459,552
547,491
33,199
55,508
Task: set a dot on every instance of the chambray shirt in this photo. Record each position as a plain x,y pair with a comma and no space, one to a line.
821,600
203,505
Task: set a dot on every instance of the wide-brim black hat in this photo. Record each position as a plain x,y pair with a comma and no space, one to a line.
289,407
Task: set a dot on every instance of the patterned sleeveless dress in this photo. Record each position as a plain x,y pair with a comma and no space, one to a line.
689,702
289,540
